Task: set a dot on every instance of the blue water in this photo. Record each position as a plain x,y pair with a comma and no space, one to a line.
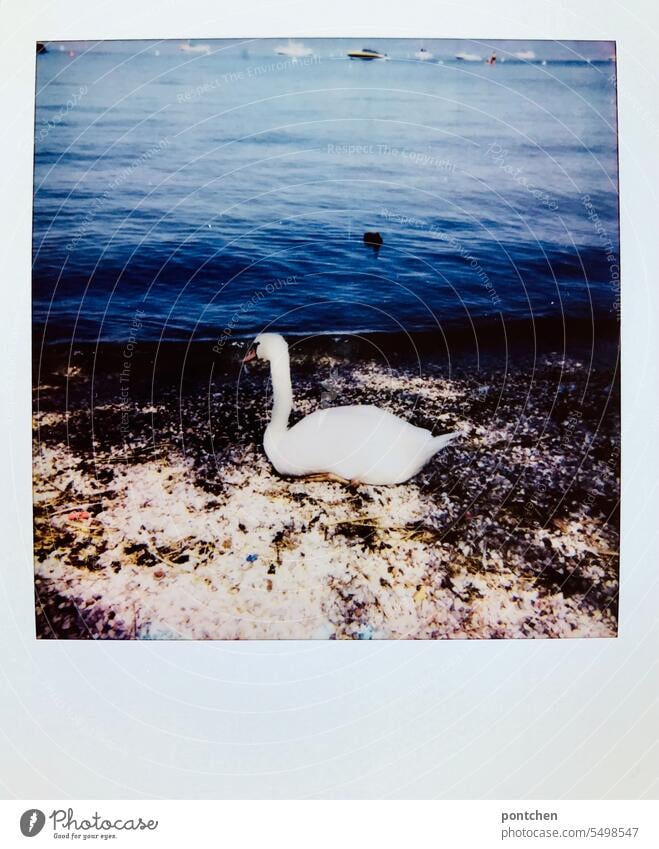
225,192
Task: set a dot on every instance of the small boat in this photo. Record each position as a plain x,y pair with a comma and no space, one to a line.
194,48
366,54
423,55
468,57
524,55
293,50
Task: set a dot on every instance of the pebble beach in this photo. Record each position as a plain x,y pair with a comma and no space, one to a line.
158,516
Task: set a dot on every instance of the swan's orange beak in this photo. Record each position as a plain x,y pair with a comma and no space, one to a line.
250,355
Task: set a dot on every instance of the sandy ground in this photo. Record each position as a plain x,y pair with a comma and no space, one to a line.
179,528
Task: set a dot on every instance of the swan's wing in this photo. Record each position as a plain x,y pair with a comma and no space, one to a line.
358,442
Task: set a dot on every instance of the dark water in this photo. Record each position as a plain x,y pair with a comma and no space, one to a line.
197,196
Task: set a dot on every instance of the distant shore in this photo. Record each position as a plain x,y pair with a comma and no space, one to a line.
158,516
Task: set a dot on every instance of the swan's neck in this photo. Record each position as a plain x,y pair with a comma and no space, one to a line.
282,392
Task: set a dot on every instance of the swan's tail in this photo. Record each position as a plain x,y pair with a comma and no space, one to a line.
442,441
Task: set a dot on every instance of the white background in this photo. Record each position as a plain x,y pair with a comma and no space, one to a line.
573,719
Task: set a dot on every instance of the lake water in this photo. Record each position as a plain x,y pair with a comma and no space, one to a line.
206,195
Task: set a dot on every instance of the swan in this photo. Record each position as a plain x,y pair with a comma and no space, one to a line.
356,444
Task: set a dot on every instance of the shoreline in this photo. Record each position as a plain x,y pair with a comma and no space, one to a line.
549,329
453,349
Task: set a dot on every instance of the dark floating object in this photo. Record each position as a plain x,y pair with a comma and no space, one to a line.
41,47
373,239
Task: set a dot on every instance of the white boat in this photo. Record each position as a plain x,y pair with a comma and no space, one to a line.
186,47
423,55
468,57
525,55
293,50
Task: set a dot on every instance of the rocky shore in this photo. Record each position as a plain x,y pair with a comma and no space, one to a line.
157,515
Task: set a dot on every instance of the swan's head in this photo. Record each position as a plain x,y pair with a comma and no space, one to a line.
267,346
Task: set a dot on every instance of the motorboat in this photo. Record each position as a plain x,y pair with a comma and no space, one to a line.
468,57
366,54
186,47
423,55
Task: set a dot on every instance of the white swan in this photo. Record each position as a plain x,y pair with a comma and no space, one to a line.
359,443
